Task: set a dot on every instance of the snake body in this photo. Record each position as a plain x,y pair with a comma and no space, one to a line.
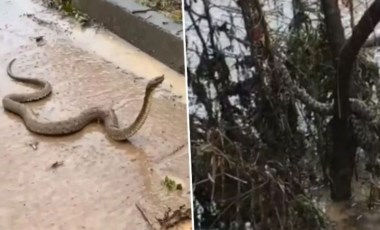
14,103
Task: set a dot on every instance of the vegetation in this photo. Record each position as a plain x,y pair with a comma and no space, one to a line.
173,8
68,9
271,117
171,185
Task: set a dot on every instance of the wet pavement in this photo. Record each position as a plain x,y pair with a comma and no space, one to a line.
97,182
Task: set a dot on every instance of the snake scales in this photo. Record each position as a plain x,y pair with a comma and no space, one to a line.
365,119
14,103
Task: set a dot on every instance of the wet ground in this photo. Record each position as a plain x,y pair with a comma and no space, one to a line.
97,182
354,214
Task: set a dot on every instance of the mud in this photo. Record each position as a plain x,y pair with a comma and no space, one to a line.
353,214
97,181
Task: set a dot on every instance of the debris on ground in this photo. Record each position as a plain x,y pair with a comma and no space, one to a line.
171,185
40,40
34,145
172,218
56,164
172,8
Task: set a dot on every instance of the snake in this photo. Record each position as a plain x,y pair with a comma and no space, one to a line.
15,103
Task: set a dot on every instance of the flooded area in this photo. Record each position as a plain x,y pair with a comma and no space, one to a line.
352,215
86,180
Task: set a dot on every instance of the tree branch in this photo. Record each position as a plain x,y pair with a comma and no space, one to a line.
373,40
343,158
349,54
335,31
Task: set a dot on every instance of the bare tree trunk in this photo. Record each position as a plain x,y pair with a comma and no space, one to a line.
343,158
334,26
336,39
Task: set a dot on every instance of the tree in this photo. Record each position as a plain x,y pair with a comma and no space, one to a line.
260,109
343,158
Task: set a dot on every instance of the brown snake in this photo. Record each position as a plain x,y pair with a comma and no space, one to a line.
14,103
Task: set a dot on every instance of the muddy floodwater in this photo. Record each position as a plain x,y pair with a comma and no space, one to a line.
85,180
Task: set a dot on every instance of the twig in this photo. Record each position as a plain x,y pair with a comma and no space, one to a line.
141,209
56,164
171,219
144,11
236,178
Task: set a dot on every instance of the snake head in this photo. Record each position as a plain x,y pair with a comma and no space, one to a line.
152,84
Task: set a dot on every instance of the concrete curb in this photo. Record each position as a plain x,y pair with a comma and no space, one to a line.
151,32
